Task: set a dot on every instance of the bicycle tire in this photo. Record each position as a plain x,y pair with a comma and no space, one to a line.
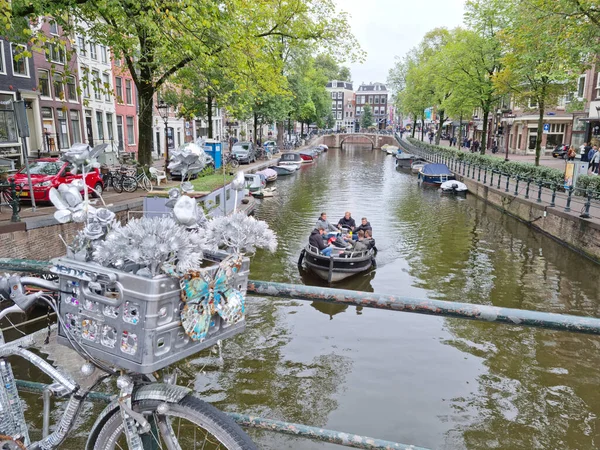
190,408
129,183
7,199
234,163
117,185
146,184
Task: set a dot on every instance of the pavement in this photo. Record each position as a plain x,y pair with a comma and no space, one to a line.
111,198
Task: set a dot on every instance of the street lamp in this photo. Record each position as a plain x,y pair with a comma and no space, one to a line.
510,119
163,112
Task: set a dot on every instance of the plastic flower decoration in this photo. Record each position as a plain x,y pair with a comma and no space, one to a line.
83,157
69,203
187,159
240,233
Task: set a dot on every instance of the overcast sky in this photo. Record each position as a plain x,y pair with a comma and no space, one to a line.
386,28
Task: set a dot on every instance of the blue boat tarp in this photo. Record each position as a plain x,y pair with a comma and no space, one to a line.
436,169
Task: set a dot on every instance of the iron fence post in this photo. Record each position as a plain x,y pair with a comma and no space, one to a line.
479,173
485,175
469,171
464,167
568,206
588,203
14,203
499,179
492,178
507,182
553,200
516,186
527,190
539,197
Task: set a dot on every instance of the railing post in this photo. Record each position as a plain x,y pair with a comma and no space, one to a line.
479,173
485,175
588,203
507,182
492,178
568,206
499,179
539,197
14,203
527,190
469,171
516,186
464,167
553,201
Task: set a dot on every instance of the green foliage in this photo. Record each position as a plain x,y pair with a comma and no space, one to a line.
366,118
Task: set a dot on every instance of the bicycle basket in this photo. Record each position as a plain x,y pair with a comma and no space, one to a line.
132,322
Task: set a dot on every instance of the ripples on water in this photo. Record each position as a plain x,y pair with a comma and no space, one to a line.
433,382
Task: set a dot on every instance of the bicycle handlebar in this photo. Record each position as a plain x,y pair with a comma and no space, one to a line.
11,288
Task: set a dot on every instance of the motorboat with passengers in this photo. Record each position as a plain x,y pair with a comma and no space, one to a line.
344,261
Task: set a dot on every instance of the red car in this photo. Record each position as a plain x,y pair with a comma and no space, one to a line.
47,173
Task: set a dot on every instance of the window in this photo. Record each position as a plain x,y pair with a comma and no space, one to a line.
59,89
128,95
532,103
8,126
581,86
339,115
119,89
118,63
56,54
377,100
62,132
2,65
371,99
375,110
333,105
93,53
383,99
81,45
130,134
85,81
106,86
96,84
44,83
333,95
340,95
100,124
103,54
334,84
597,84
75,125
120,131
71,89
53,27
20,62
109,125
340,105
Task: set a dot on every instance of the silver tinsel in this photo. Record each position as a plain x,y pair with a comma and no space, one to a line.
152,243
240,233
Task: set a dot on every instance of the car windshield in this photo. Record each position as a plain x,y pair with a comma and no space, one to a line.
241,148
44,168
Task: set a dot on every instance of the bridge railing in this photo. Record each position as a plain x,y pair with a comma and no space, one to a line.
476,312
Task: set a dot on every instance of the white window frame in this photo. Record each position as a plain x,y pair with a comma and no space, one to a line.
3,68
130,82
103,54
66,84
333,95
93,51
584,76
96,82
340,95
49,96
81,45
127,129
57,51
530,105
107,96
598,85
12,60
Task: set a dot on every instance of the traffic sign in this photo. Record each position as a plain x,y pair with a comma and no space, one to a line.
546,128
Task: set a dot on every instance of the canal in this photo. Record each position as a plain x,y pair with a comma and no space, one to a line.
433,382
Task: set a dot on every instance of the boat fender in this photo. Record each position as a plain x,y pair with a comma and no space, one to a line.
301,258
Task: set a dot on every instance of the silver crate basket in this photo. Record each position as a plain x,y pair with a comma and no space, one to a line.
132,322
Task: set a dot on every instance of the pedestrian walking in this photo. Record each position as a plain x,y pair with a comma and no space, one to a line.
594,160
571,153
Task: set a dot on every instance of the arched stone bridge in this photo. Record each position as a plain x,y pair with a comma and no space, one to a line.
373,139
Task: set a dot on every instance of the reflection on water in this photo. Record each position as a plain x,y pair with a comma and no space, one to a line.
434,382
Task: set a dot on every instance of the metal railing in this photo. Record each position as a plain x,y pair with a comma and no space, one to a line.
476,312
551,193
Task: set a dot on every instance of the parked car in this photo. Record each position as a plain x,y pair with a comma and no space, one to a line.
244,152
560,151
271,146
47,173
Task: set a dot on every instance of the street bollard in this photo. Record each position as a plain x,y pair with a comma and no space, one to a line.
553,200
516,186
527,190
586,212
539,197
14,203
568,206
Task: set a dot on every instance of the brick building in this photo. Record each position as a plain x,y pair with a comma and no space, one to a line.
375,95
342,104
126,118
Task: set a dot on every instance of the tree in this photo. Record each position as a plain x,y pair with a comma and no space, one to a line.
539,66
366,119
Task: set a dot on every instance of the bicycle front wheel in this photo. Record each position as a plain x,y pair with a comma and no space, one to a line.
128,183
146,184
187,424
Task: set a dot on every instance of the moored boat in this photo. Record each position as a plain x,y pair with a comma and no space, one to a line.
291,158
269,174
324,147
435,174
342,263
286,169
391,149
404,160
417,164
453,187
254,182
307,156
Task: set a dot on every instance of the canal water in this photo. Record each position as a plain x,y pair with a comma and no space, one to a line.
429,381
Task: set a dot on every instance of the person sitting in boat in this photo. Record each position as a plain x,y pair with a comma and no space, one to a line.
364,225
359,245
317,241
369,239
347,222
330,230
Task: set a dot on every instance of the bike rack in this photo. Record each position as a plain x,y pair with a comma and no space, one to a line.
484,313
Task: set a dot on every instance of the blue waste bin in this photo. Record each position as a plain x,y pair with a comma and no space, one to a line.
214,149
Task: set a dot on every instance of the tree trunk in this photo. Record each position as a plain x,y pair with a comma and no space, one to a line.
209,105
146,99
438,135
540,132
414,127
301,129
280,131
255,127
484,132
423,125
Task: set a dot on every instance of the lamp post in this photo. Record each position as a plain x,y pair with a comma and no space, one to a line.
510,119
163,111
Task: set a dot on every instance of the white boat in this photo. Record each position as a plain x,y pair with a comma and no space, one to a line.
453,187
384,147
391,149
290,160
285,169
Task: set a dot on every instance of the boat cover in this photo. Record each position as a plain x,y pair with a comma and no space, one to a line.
453,185
268,173
404,156
290,157
435,169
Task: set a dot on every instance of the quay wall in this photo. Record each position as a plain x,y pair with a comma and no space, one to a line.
580,235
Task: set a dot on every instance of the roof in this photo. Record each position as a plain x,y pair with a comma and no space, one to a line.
372,87
436,169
